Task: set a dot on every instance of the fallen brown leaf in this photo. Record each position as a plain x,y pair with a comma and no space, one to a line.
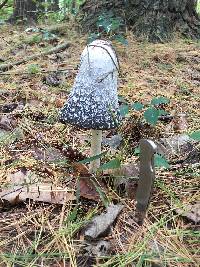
88,190
80,170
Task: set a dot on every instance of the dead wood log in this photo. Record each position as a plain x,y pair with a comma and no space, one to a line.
8,66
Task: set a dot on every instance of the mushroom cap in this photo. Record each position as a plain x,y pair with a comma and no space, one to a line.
93,101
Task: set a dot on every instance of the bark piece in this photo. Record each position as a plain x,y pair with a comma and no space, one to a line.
52,79
100,248
7,123
88,190
7,108
100,224
175,145
25,185
125,178
113,142
192,212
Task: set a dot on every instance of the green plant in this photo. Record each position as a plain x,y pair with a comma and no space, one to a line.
6,11
151,112
33,40
159,161
40,35
69,7
110,26
195,135
33,69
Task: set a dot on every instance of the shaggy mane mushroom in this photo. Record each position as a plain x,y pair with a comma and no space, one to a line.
93,101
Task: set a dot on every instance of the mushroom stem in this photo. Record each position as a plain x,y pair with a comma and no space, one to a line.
95,149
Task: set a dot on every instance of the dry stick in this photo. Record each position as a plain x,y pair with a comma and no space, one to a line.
43,71
5,67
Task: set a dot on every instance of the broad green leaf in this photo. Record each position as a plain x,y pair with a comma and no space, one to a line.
160,161
124,109
151,115
195,135
137,106
159,100
92,158
113,164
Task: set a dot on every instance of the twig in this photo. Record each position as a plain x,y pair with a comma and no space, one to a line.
5,67
41,72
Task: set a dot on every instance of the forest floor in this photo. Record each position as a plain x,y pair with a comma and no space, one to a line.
38,150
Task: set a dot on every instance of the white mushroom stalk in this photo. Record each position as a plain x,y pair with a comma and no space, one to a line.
95,150
93,101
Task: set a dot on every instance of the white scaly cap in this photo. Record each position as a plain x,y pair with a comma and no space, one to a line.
93,101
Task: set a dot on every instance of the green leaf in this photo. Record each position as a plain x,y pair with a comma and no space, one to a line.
113,164
137,106
121,39
159,100
122,99
124,110
105,23
151,115
93,158
137,151
162,112
72,215
102,195
33,69
160,161
195,135
115,24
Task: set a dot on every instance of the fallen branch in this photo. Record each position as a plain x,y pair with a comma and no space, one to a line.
46,71
5,67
